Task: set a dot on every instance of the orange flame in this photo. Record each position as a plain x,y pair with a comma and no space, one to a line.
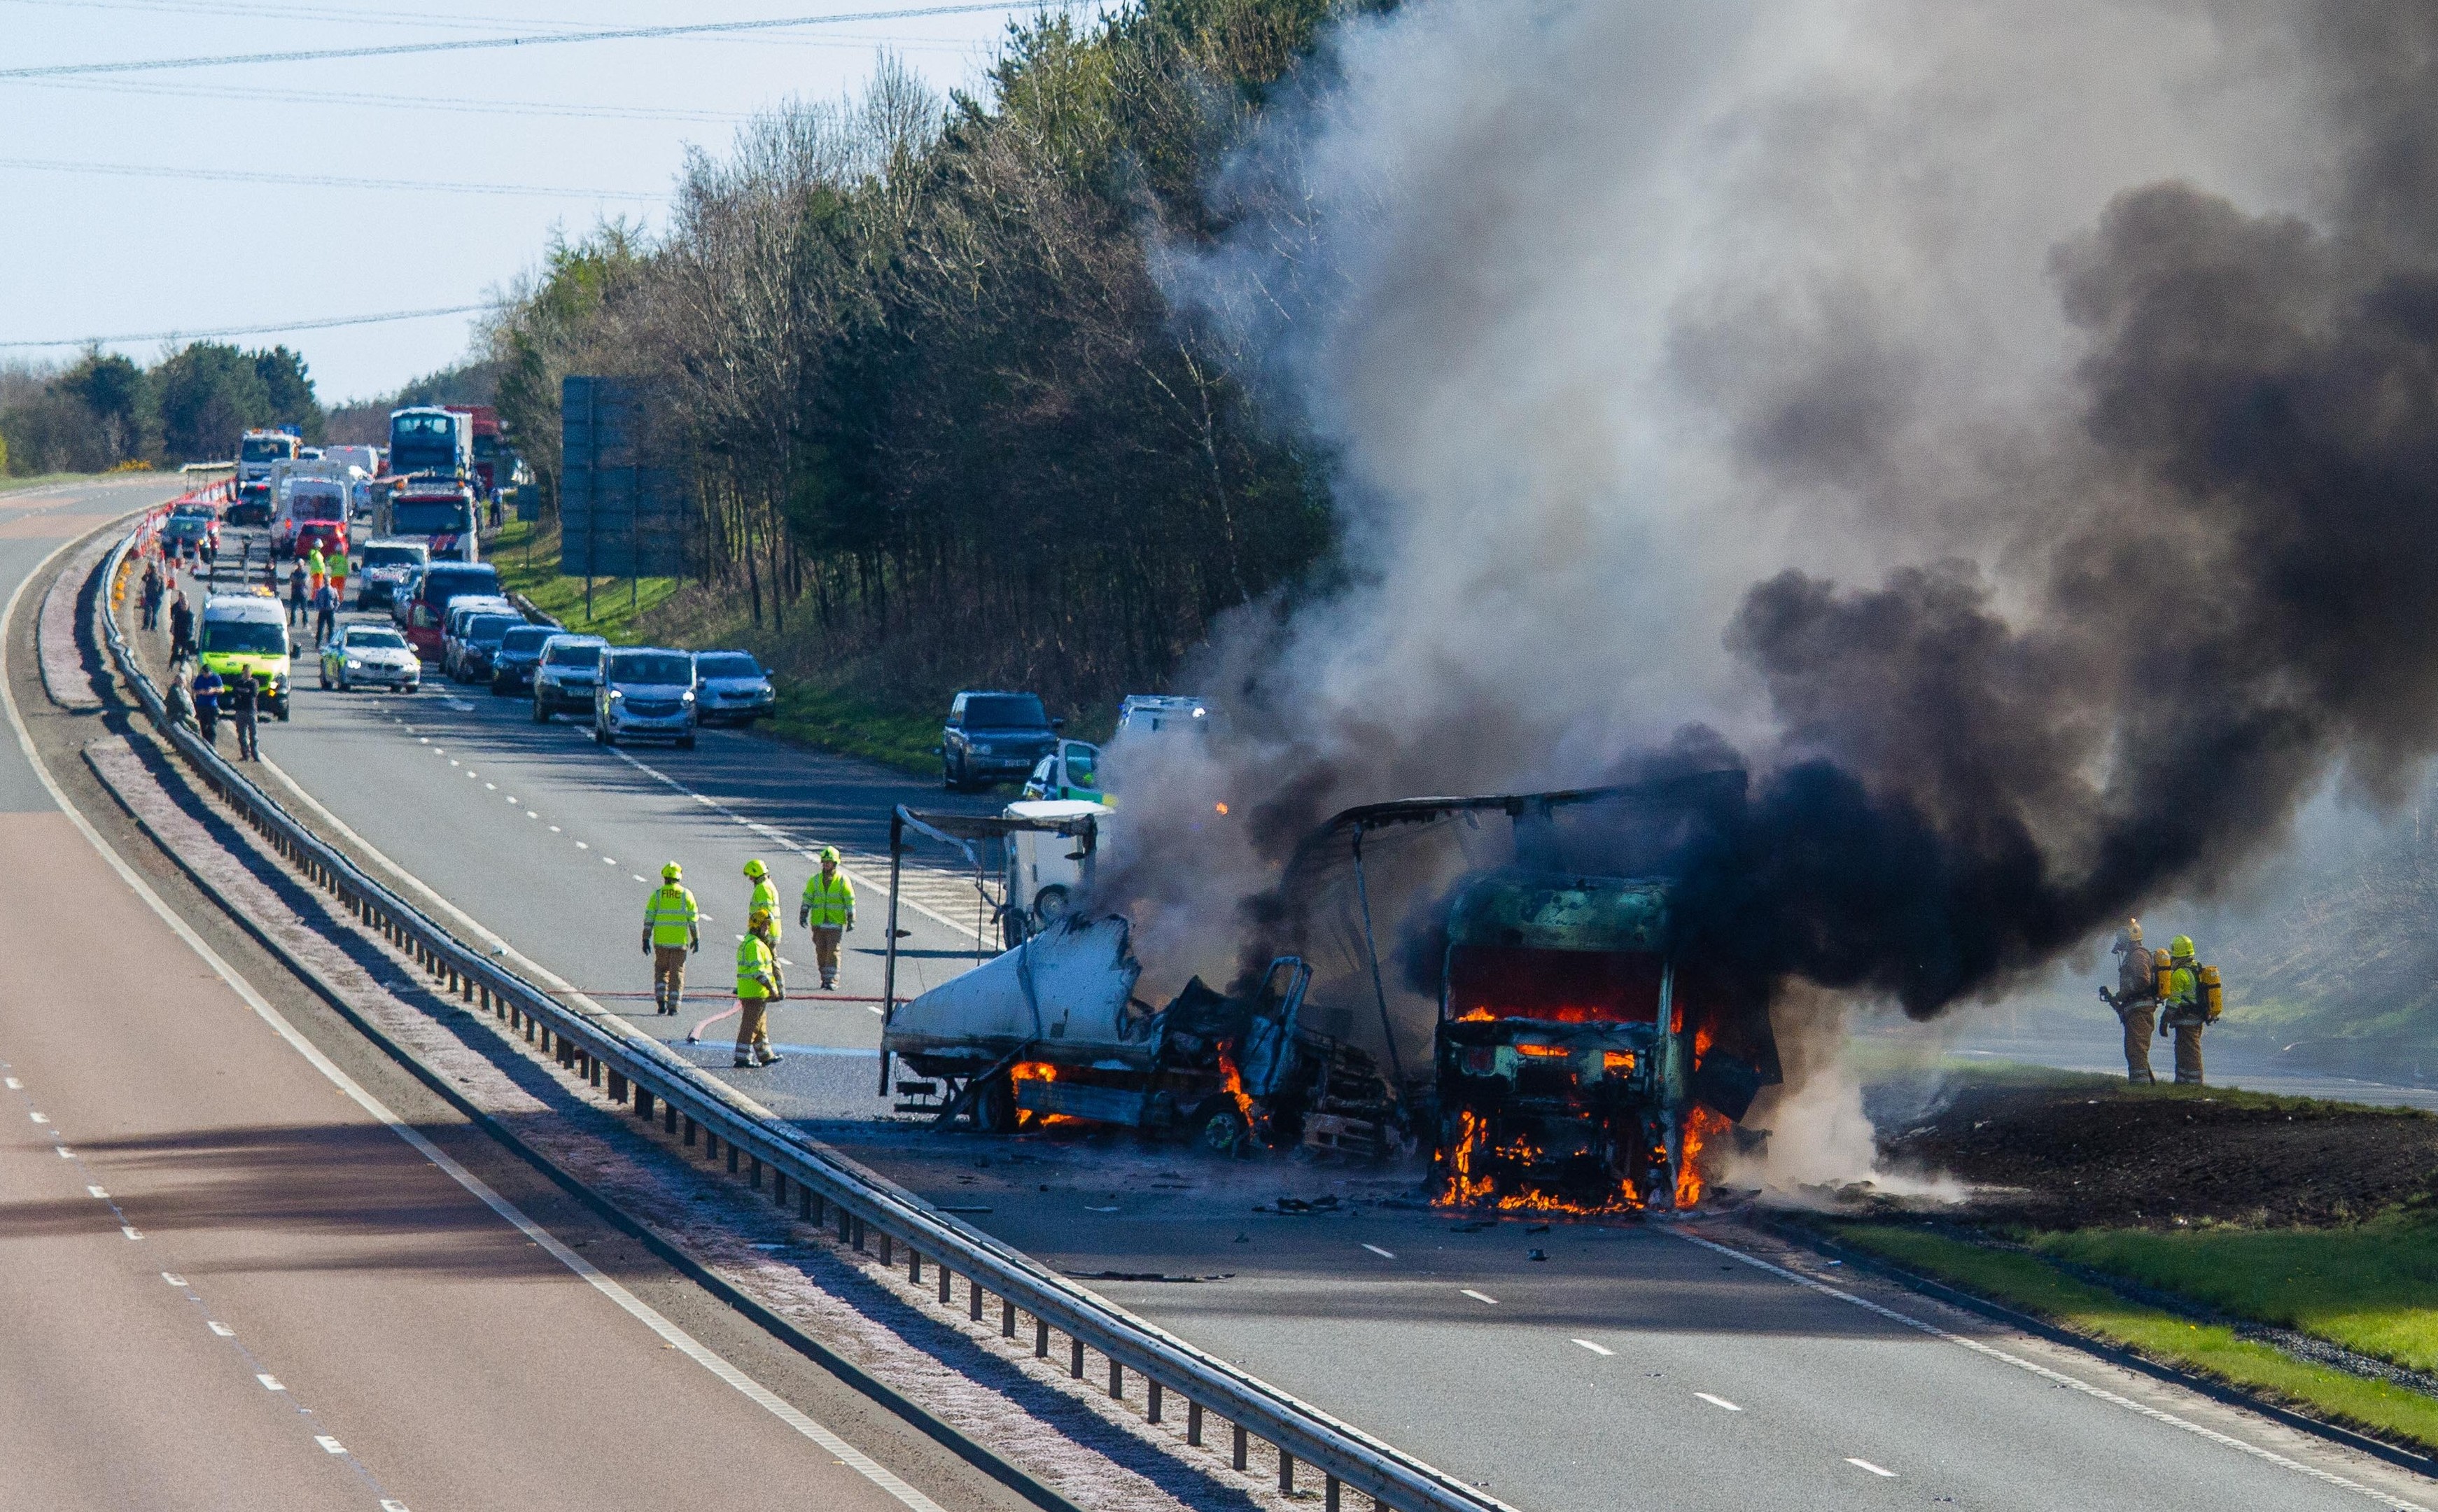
1701,1127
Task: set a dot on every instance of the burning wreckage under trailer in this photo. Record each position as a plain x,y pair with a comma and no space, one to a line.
1583,1048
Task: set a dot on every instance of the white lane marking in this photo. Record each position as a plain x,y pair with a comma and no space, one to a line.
609,860
39,1118
581,846
2057,1377
271,1382
131,1231
530,814
99,1194
627,1302
426,739
65,1154
331,1444
1386,1255
1873,1469
639,879
862,882
1481,1296
554,829
15,1085
1720,1402
872,1008
219,1329
1602,1351
174,1279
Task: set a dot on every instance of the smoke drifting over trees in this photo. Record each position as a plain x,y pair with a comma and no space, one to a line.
2011,432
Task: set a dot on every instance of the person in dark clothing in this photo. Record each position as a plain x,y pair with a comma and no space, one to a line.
243,698
326,613
150,596
181,629
207,691
296,595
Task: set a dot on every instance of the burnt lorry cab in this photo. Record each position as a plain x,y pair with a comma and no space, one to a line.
1566,1043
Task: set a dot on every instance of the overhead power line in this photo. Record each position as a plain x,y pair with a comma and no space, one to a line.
276,328
701,28
327,181
440,103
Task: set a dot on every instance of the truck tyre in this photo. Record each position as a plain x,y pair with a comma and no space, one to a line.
1048,905
995,1109
1218,1125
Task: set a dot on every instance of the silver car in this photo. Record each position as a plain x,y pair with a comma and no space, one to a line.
566,675
370,656
730,686
646,693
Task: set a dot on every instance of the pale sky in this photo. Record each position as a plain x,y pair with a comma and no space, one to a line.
86,252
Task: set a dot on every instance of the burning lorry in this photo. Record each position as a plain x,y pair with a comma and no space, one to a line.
1572,1040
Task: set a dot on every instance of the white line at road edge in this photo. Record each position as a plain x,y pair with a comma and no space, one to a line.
2057,1378
626,1301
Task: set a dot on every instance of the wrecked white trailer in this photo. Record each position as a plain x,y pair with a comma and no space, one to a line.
1053,1029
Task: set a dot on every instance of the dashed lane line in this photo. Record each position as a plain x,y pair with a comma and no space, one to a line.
1601,1349
1719,1402
2057,1378
1481,1296
1867,1464
1386,1255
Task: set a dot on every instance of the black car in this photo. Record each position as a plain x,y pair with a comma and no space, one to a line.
992,737
519,652
252,505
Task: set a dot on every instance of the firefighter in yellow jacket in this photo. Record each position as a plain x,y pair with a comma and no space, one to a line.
763,905
757,988
670,935
2188,1001
828,911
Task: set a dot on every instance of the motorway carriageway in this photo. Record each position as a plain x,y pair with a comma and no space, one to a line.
249,1262
1634,1366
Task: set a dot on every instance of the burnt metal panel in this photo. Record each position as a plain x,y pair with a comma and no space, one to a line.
623,510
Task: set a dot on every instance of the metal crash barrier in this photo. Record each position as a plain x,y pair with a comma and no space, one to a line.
865,1210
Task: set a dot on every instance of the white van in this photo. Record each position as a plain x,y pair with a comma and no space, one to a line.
1045,871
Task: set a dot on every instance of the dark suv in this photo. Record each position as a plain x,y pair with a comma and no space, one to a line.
520,653
994,736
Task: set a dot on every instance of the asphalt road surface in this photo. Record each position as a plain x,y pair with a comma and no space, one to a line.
249,1264
1624,1366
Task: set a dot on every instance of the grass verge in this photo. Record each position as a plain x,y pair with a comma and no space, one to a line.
528,564
2029,1283
836,719
2372,1287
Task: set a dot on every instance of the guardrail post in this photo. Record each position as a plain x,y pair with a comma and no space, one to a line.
618,1086
668,1117
1286,1473
1117,1380
778,1186
689,1128
915,1265
947,1279
1007,1317
888,1246
858,1236
732,1157
1329,1494
973,1299
643,1104
1040,1338
1240,1445
1151,1393
1074,1358
754,1178
1192,1423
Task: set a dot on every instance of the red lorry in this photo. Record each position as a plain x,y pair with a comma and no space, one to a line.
484,421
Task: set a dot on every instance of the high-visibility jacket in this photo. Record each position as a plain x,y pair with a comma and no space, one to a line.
829,903
313,562
765,898
754,963
670,916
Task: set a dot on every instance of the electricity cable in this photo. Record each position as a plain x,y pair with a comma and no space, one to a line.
335,181
272,329
700,29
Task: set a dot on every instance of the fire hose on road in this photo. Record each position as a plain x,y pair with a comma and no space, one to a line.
654,1080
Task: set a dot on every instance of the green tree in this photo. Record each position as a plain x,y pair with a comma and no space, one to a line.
290,391
210,394
119,397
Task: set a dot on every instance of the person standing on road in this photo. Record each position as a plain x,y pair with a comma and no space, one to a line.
181,629
757,988
339,577
670,934
2187,999
296,595
762,914
315,566
325,614
207,704
150,596
2136,1000
828,911
245,697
